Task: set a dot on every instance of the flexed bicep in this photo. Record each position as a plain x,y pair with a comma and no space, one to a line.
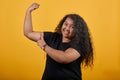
28,28
35,36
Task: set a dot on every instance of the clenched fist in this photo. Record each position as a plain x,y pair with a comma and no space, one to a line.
33,7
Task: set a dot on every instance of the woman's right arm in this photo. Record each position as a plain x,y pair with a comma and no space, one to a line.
28,29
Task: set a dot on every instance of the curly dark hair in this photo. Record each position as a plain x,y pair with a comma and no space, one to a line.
81,37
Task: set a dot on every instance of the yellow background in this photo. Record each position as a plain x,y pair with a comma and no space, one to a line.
22,59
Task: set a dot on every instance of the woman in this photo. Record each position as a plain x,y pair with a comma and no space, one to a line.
67,48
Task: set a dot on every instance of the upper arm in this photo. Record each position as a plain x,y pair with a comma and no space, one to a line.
71,55
35,36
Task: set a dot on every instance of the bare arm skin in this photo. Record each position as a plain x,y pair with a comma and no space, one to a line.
63,57
28,29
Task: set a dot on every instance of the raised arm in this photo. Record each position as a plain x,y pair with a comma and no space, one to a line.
28,29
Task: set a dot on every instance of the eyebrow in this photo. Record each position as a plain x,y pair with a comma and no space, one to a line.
67,22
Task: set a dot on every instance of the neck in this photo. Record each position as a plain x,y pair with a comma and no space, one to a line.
65,40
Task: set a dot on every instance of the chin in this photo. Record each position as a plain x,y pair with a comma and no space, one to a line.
68,37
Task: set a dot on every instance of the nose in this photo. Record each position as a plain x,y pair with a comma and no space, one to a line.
67,27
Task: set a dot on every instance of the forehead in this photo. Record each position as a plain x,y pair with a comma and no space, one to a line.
69,20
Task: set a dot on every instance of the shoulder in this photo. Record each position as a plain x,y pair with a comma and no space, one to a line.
78,48
51,33
51,37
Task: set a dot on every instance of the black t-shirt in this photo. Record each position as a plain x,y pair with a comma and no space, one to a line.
58,71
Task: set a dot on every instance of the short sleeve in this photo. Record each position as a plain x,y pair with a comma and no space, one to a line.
78,48
47,37
52,39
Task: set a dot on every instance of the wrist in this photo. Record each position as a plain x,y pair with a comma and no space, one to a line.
43,47
29,10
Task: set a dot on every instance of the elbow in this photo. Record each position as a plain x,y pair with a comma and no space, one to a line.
26,34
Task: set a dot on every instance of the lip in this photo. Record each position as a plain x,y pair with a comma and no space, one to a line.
66,32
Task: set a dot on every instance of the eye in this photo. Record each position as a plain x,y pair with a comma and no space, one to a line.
72,27
65,24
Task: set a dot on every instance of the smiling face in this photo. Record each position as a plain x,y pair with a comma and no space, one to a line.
68,29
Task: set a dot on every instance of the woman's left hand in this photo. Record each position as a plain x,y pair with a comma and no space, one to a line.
41,42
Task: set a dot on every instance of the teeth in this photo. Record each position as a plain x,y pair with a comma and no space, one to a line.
66,32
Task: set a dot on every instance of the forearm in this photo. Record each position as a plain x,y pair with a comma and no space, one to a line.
28,29
57,55
28,23
64,57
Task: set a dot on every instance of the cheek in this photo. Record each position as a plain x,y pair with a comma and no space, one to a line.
63,27
72,31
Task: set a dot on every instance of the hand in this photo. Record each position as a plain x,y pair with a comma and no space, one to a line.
33,7
41,41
